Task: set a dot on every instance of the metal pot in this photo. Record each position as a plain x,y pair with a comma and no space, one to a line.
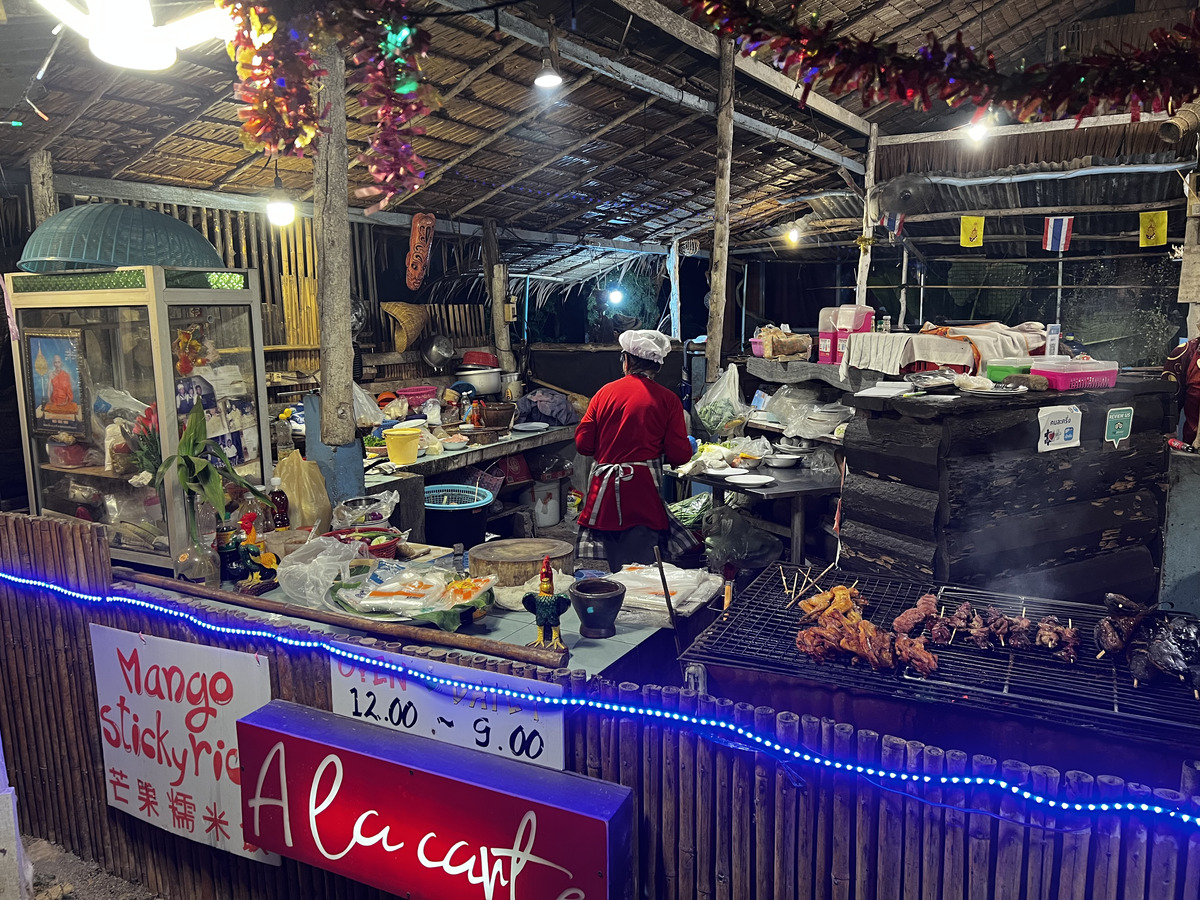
437,351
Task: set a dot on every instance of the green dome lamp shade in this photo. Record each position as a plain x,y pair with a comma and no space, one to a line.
107,235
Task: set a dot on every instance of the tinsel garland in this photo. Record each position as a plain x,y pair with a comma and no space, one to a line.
275,56
1162,77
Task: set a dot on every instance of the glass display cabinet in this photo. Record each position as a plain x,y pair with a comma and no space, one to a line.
110,364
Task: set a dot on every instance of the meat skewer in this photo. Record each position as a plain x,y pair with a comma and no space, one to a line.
914,619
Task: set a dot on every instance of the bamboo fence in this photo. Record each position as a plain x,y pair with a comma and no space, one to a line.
712,820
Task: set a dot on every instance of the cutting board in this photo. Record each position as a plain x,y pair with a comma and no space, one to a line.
517,560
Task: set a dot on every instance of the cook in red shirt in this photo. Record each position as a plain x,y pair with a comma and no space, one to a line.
630,426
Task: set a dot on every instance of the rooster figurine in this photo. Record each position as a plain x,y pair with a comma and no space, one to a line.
546,607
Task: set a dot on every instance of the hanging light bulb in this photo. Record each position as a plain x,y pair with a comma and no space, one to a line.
978,131
794,236
281,210
615,296
547,77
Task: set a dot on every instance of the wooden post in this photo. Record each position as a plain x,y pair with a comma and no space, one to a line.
331,221
41,179
496,275
720,255
1189,272
864,258
675,303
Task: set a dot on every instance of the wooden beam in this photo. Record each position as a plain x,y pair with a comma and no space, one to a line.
163,134
41,180
257,203
62,126
917,218
719,265
589,59
701,39
603,166
960,134
496,277
557,155
868,227
331,229
437,174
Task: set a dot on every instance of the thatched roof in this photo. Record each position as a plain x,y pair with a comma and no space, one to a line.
602,158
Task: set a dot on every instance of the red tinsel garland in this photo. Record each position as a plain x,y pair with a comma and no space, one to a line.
275,63
1161,77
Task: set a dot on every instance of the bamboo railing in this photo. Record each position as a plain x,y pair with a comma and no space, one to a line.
712,821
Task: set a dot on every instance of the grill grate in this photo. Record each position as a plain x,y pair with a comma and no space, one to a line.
758,633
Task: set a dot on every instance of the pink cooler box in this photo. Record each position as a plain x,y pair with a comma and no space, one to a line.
1065,374
827,336
836,324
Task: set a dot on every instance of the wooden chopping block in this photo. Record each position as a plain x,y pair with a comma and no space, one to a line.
517,560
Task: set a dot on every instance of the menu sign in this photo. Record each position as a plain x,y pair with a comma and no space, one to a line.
168,721
425,820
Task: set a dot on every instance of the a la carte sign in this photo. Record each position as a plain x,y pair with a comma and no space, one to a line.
478,720
425,820
168,721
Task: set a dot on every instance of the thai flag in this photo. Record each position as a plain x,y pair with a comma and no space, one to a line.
1057,235
893,222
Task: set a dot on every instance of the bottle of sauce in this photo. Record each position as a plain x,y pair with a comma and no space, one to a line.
279,504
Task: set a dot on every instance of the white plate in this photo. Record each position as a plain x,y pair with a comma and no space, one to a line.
532,426
751,480
454,448
723,473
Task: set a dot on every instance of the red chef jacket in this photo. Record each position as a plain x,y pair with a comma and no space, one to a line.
1183,368
633,419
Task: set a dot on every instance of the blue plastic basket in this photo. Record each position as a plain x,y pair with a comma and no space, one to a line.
446,497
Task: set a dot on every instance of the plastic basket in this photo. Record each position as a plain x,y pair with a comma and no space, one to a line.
418,394
385,550
442,497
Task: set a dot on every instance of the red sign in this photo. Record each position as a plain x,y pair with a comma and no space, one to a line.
421,819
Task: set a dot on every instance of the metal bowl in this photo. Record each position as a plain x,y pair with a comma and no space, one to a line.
782,462
437,351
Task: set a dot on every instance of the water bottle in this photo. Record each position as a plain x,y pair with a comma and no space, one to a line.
885,324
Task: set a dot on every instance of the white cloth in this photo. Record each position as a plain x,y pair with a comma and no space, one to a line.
645,344
889,353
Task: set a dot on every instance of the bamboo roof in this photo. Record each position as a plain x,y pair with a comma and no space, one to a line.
599,159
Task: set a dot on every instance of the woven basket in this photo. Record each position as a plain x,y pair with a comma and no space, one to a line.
408,322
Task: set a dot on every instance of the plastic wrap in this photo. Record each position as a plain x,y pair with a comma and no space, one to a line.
374,513
721,410
367,413
308,501
307,574
820,421
731,538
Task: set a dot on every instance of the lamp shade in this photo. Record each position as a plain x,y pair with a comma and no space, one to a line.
106,234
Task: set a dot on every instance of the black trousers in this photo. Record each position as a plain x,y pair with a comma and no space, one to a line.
635,545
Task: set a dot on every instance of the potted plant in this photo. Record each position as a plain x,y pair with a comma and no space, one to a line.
202,469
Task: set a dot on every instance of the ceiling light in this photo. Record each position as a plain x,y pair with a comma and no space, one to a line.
615,296
123,33
281,210
794,235
977,131
547,77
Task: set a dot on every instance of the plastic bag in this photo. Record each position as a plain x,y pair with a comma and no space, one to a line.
823,462
722,410
819,422
731,538
392,587
308,501
790,402
643,585
467,590
691,510
345,516
367,413
432,411
308,573
397,409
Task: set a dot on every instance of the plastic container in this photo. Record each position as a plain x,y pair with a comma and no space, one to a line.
384,550
827,336
756,346
1065,374
481,358
485,381
279,504
852,319
547,503
999,369
456,514
66,456
418,395
402,445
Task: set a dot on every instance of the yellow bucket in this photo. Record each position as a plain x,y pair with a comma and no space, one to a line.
402,445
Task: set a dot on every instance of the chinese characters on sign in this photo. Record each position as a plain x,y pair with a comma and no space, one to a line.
473,719
168,716
425,820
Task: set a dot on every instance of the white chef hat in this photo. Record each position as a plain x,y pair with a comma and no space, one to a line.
645,344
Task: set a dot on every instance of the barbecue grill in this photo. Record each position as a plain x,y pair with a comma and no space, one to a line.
997,701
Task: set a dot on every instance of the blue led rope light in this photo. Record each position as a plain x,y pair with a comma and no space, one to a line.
767,745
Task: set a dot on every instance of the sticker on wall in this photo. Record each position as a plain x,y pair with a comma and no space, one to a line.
1059,429
1119,425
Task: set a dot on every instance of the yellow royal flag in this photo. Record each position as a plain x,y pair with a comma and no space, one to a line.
971,234
1154,229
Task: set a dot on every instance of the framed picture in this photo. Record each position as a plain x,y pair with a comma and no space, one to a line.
53,383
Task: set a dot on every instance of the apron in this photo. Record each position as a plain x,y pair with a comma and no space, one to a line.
611,476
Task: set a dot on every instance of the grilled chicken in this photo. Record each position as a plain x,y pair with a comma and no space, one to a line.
912,651
914,619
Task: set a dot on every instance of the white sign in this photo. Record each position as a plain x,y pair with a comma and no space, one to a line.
1059,427
477,720
168,714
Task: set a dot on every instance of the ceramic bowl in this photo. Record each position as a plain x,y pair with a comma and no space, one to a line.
749,462
782,462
